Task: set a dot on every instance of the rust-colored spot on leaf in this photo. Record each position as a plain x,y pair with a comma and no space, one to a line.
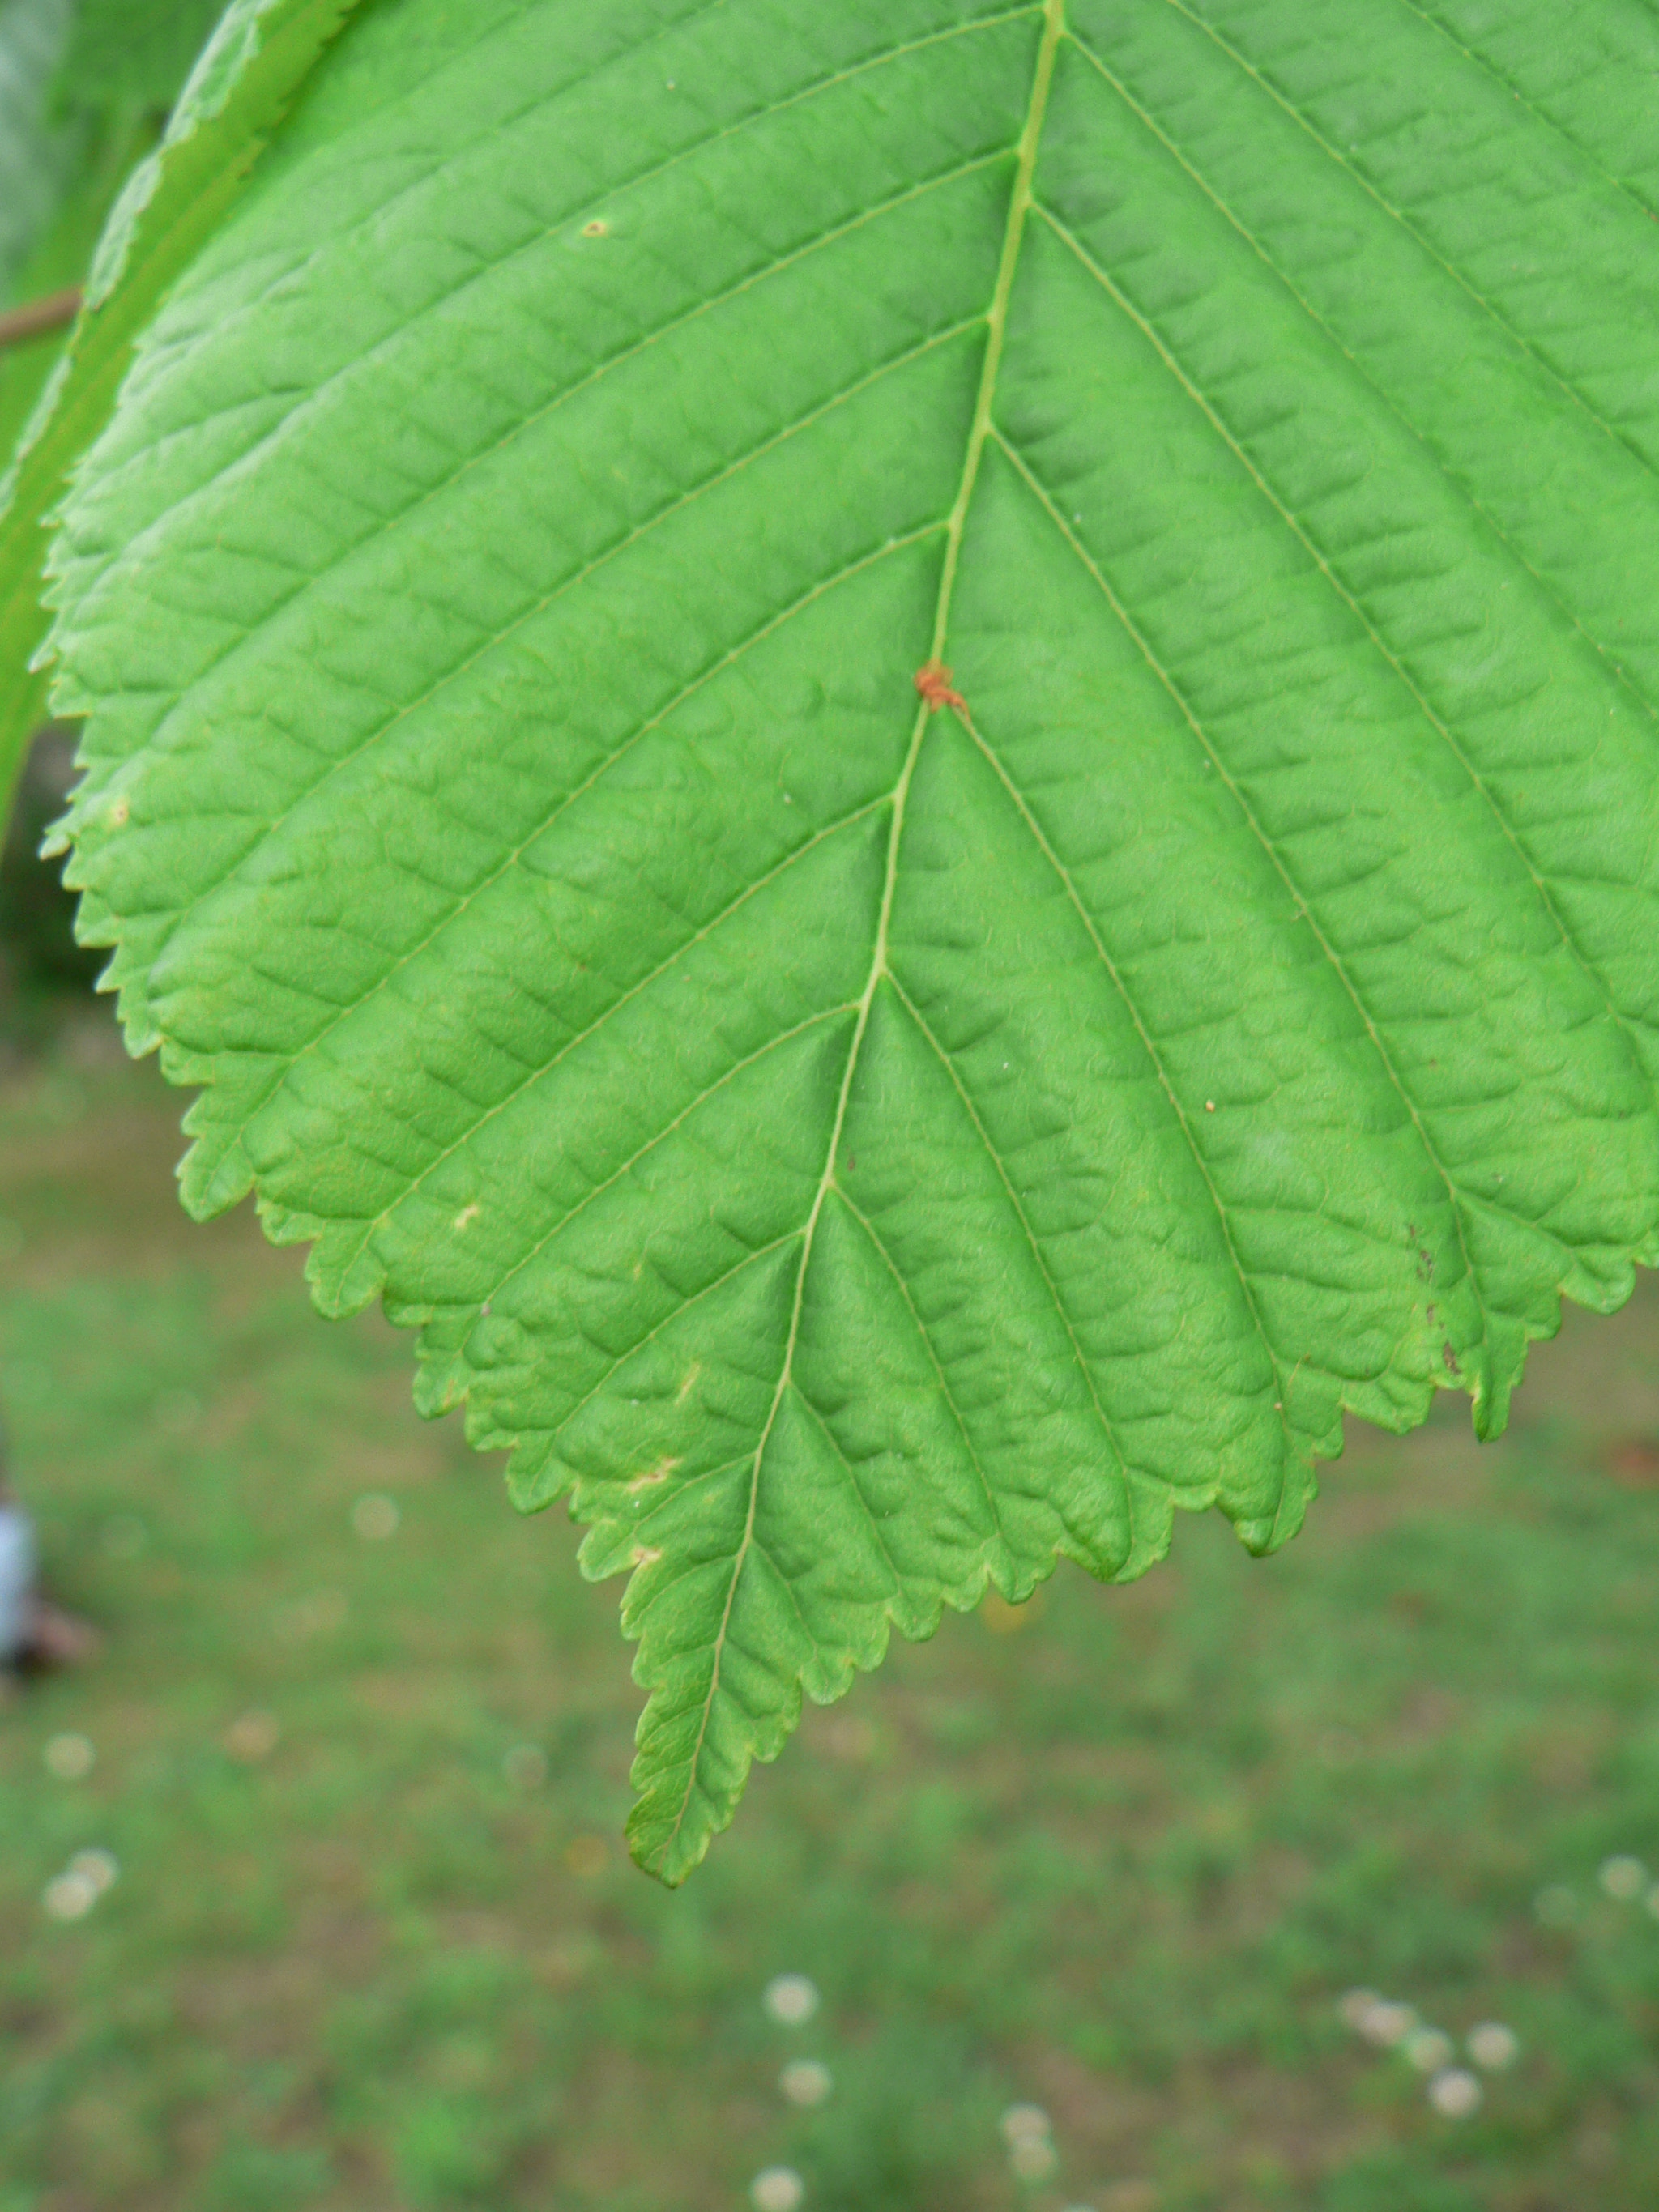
933,682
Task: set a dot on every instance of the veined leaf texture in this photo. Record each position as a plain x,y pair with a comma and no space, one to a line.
861,1140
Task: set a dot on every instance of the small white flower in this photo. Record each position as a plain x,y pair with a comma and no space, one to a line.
1387,2023
1556,1906
1623,1879
805,2081
1034,2160
1493,2046
1428,2049
375,1518
1025,2123
1454,2093
778,2189
101,1869
70,1757
792,1999
1355,2007
70,1897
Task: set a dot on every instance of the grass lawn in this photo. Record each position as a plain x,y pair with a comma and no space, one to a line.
374,1943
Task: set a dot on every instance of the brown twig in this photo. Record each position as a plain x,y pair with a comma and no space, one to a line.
33,319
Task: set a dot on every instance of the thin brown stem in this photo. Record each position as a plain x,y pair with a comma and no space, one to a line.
36,317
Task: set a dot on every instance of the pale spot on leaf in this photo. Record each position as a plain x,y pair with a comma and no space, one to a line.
654,1475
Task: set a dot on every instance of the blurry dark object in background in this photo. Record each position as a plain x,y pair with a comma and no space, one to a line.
35,1636
40,959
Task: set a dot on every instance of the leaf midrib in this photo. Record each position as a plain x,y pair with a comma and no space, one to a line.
1019,204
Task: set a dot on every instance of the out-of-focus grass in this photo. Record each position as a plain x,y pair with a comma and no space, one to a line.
1118,1853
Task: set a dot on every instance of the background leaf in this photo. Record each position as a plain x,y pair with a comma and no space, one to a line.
858,1153
35,155
167,204
134,53
39,153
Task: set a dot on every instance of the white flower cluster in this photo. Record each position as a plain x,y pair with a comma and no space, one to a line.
805,2081
1028,2134
791,2000
1453,2090
69,1758
779,2189
72,1894
375,1517
1623,1879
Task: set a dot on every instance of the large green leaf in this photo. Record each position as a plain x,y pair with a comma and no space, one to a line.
859,1145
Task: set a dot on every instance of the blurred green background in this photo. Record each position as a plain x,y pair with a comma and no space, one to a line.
358,1739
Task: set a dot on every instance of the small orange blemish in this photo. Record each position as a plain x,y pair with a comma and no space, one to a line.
933,682
646,1556
118,813
596,229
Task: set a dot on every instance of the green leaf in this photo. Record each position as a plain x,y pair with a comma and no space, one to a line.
38,154
35,154
859,1146
134,53
105,158
170,202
